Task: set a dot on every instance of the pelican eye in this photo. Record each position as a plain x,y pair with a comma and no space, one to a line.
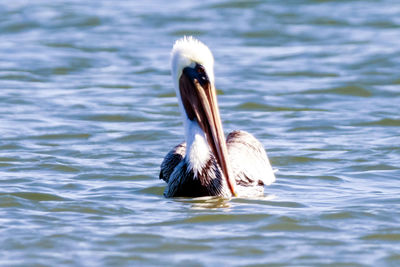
202,72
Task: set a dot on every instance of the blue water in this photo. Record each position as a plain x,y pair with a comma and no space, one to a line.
88,112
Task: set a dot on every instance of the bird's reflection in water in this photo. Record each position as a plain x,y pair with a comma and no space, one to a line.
207,202
221,202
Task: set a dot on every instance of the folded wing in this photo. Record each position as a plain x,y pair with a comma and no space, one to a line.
249,161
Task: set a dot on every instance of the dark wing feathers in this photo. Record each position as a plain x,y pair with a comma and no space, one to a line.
171,160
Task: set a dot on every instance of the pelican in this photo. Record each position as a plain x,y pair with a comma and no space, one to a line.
206,164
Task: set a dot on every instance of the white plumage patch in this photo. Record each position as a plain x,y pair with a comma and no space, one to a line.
188,51
198,151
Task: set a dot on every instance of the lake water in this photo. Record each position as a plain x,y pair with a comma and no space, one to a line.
88,112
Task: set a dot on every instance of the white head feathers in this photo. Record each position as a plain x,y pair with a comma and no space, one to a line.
188,51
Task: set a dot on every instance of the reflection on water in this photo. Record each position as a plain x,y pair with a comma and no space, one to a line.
208,203
88,112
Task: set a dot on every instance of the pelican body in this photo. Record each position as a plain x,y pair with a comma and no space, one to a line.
206,164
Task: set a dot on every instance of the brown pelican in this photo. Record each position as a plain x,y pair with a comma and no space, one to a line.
205,164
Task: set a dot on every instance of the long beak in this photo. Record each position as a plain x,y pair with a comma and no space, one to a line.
200,102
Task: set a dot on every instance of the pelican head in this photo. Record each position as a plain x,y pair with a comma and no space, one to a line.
192,67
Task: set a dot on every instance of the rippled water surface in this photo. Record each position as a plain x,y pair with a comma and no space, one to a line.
88,111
